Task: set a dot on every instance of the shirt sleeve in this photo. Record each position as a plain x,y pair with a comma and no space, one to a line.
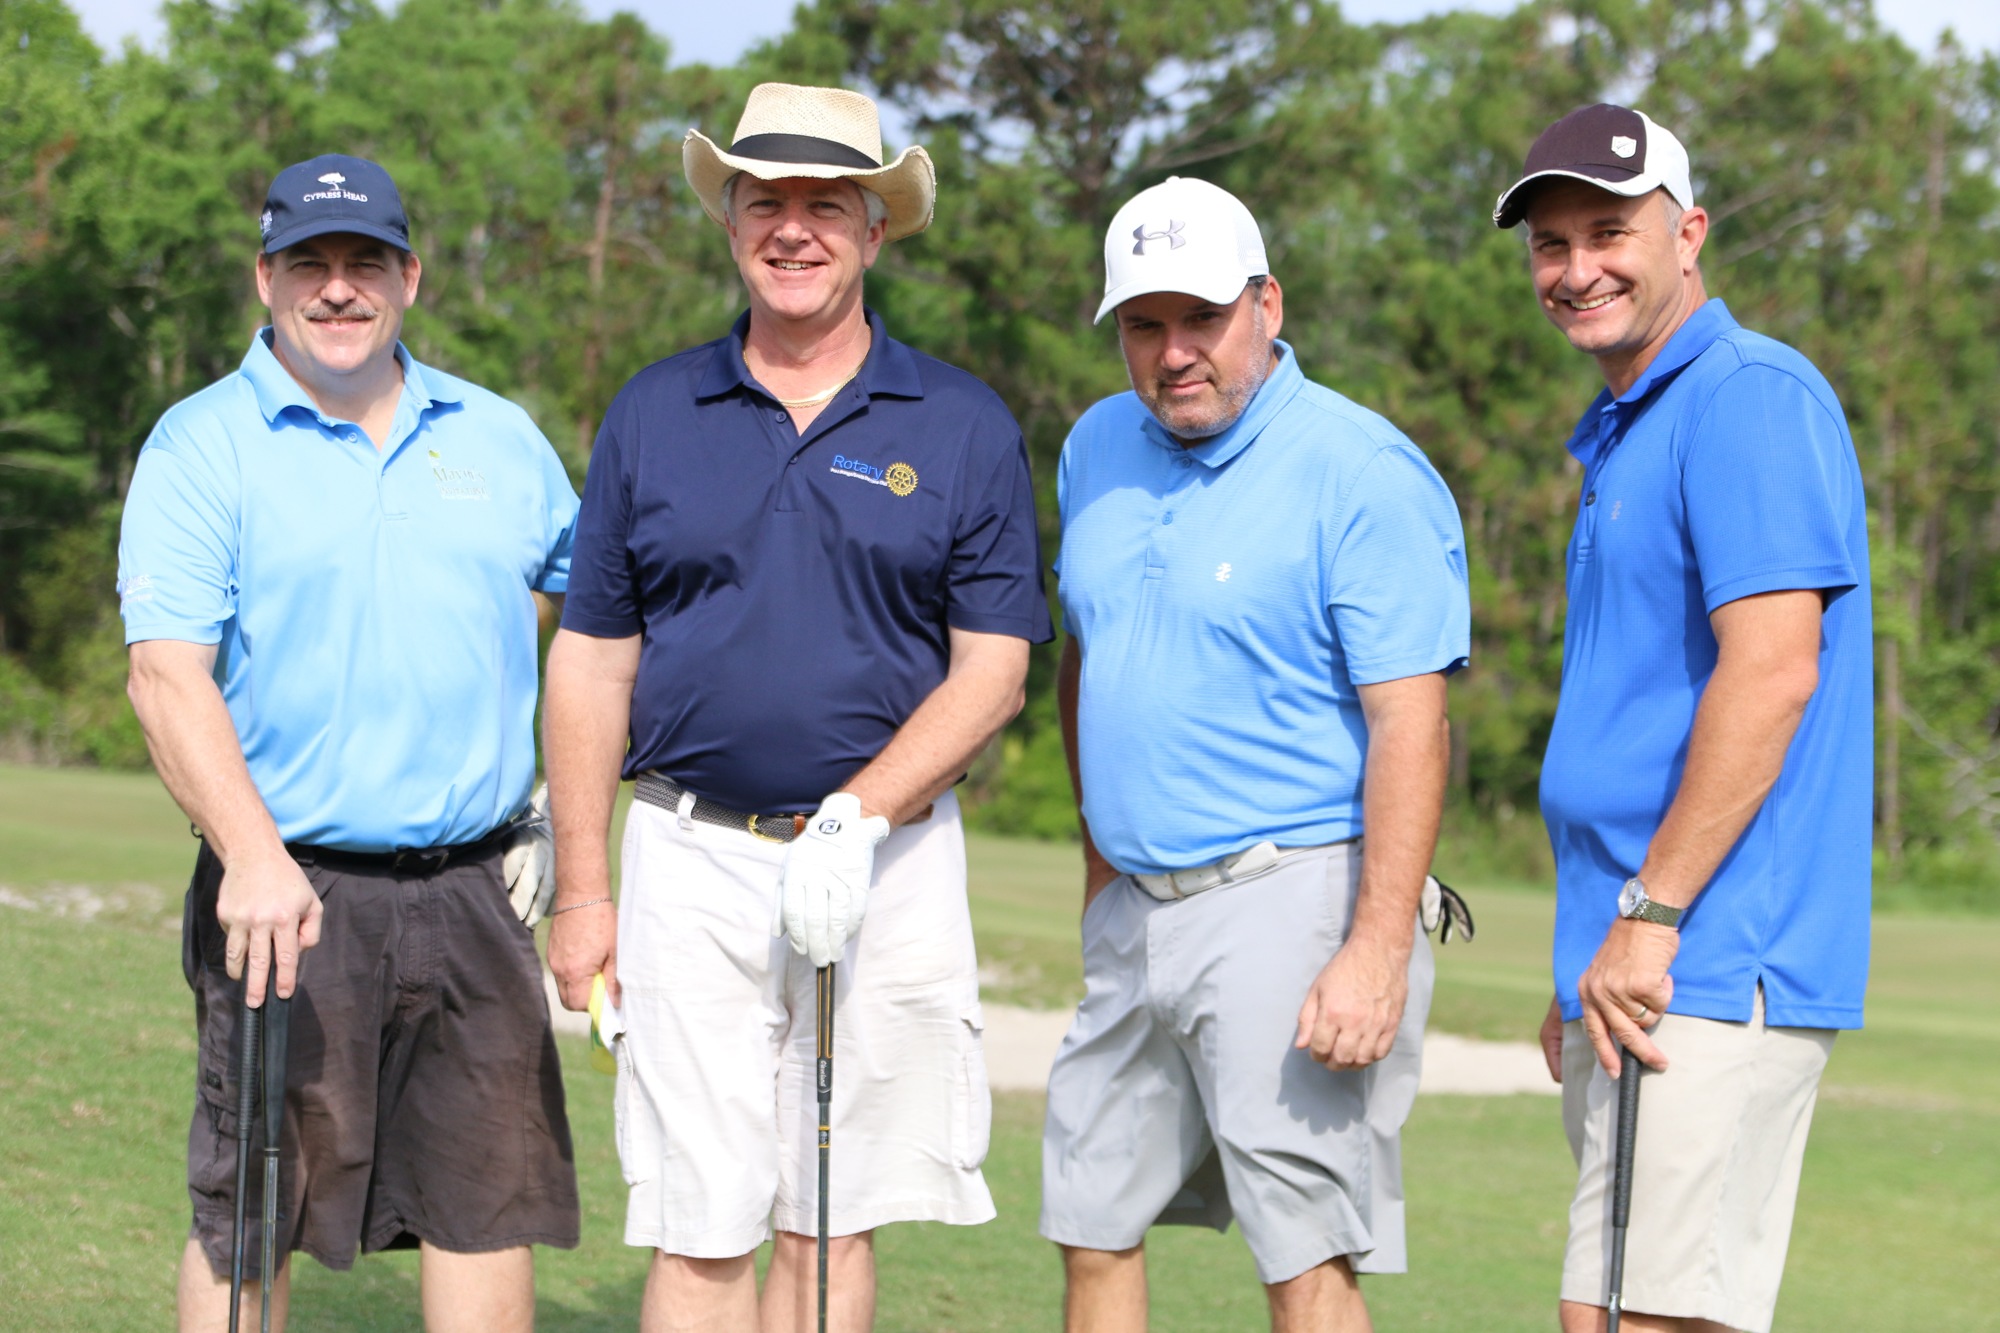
994,583
177,545
603,594
1396,575
560,530
1768,484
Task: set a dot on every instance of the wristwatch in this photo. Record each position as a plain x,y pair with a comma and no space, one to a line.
1634,905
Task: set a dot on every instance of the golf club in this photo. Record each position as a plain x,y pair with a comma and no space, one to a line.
1625,1132
277,1032
825,1074
248,1031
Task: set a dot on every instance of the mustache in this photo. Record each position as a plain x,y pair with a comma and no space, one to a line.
352,310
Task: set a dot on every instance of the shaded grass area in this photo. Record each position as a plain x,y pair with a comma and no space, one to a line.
1899,1216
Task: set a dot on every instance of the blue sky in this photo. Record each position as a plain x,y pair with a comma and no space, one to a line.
718,33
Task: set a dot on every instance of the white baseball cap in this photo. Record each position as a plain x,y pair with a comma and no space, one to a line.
1182,235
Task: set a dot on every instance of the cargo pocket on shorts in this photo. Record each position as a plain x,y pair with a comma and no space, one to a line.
632,1116
972,1101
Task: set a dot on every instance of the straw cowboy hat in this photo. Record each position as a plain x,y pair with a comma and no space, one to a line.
821,133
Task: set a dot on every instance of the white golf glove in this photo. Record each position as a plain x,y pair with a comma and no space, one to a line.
530,863
823,889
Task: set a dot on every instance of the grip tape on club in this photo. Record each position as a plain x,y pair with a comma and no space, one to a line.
1627,1135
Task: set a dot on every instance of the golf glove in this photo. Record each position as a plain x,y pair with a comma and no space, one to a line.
823,889
1443,910
530,862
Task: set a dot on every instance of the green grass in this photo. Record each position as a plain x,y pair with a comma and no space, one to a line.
1899,1216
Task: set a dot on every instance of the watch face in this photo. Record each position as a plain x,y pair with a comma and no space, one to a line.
1629,897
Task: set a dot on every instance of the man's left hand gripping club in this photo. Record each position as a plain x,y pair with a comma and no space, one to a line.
823,889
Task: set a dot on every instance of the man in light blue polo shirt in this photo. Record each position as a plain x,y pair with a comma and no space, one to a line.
1709,776
329,569
1264,587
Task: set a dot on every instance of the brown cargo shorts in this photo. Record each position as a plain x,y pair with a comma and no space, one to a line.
423,1097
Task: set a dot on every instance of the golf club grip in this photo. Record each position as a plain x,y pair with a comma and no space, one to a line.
1626,1136
250,1035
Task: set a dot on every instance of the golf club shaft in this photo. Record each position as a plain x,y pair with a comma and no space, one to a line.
1625,1134
248,1033
277,1033
825,1076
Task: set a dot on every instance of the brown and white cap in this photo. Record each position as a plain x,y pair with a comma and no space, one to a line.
1612,147
824,133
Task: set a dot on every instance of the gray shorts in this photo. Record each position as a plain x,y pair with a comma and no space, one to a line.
1177,1097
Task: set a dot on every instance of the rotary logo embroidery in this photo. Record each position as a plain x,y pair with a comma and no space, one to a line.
899,478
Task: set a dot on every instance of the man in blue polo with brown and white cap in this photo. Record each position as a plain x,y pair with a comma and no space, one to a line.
1708,785
1264,588
329,568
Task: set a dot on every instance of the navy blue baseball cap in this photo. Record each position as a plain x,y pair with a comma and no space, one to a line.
331,193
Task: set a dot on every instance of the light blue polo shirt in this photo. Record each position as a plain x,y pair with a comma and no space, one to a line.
1726,470
1229,598
377,640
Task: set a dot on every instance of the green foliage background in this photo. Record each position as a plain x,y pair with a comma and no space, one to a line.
1852,182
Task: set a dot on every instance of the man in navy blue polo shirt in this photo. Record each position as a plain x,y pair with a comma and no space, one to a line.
328,568
1264,588
1708,779
807,577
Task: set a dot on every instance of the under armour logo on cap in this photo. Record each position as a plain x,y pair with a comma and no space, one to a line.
1171,235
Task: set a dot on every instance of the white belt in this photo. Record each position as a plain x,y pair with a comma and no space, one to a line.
1246,864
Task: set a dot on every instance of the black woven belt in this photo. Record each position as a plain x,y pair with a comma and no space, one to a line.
665,793
409,860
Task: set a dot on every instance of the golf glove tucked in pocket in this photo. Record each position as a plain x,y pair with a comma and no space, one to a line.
823,888
530,864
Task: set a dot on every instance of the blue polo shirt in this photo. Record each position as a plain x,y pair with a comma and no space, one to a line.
375,636
1229,599
795,592
1726,470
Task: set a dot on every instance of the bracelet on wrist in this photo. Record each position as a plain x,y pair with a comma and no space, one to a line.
593,902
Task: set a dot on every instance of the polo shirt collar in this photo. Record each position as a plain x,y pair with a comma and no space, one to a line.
276,390
1271,398
1695,336
891,368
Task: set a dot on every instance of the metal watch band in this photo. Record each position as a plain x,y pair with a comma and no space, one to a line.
1658,913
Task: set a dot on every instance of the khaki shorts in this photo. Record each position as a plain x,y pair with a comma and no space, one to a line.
718,1122
1177,1097
1715,1169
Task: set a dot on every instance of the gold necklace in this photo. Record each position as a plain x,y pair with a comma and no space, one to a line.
814,400
818,398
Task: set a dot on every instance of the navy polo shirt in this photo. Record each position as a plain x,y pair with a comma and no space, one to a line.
795,592
1726,470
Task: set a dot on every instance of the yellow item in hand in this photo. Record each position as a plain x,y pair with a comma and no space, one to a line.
602,1058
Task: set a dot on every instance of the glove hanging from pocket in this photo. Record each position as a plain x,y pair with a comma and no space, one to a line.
1444,910
530,863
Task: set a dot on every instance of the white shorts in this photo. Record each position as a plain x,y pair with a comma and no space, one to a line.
1715,1167
716,1104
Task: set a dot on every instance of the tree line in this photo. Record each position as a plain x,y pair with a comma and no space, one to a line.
1851,181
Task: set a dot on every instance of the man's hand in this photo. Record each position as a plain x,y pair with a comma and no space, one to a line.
1552,1038
583,943
272,915
1626,989
1351,1014
823,888
1097,872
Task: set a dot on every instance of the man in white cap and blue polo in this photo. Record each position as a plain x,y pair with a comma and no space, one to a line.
806,580
328,568
1708,785
1264,589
